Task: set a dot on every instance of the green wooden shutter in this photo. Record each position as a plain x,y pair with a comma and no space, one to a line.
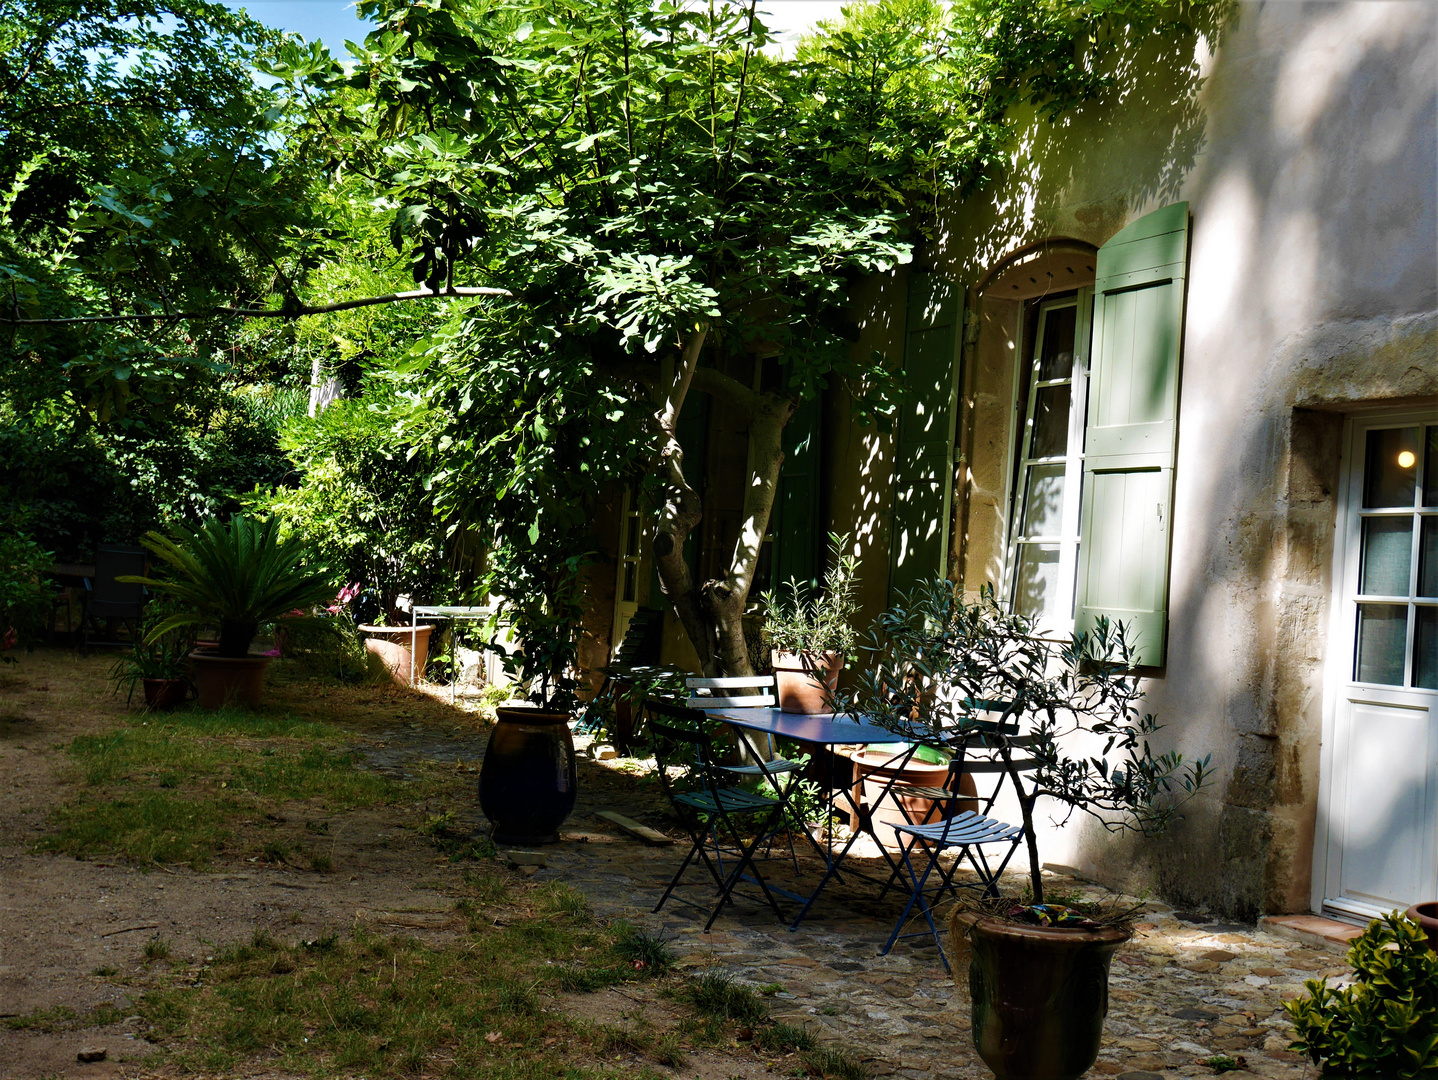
1132,430
924,440
795,521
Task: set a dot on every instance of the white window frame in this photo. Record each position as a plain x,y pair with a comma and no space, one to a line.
1025,375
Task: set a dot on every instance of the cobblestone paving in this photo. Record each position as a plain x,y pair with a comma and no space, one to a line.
1182,992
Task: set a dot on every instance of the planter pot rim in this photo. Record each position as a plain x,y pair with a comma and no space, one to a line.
785,658
208,657
1052,935
406,629
530,714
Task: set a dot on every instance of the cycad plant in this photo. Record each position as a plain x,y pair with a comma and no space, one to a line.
233,577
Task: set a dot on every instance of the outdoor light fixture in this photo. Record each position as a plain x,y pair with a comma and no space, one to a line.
1406,459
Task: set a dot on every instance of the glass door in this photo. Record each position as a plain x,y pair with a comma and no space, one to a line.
1383,761
626,583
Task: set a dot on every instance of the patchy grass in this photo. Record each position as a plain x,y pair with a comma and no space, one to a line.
393,1005
63,1019
173,790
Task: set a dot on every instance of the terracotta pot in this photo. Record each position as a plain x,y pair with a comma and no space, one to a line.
874,771
528,780
806,681
1039,995
391,644
162,695
223,680
1426,916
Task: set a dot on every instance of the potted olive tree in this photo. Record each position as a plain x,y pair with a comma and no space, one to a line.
810,635
232,577
944,672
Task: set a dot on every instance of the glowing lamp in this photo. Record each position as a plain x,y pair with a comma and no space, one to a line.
1406,459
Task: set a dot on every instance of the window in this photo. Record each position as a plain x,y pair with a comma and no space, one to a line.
1049,475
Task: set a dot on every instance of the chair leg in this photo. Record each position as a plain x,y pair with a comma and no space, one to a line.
674,881
746,859
916,896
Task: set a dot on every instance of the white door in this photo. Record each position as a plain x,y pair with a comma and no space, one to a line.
1381,758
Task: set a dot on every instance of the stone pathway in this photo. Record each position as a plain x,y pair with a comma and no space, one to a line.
1182,993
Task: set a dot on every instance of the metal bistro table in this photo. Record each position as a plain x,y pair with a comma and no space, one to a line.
828,730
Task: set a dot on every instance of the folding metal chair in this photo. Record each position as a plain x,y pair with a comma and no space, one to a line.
709,809
758,693
112,600
968,830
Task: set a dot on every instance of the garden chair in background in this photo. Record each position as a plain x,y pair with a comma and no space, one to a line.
749,692
636,660
112,600
709,807
968,831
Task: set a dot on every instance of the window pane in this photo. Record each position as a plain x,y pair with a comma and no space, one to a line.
1382,633
1430,470
631,538
1051,422
1390,469
1425,649
1387,555
1044,501
1056,360
1037,582
1428,558
630,585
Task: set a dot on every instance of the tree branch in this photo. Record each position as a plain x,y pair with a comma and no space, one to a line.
294,312
715,382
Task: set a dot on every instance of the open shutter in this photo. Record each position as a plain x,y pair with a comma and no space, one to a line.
924,441
1132,429
795,524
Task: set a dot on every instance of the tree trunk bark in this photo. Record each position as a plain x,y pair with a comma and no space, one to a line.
712,612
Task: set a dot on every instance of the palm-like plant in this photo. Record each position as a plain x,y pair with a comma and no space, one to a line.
233,576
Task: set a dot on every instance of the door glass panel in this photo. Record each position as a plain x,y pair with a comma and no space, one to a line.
1036,584
1387,555
1428,558
1390,472
1044,501
1425,649
630,583
1051,422
1056,360
1382,636
1430,469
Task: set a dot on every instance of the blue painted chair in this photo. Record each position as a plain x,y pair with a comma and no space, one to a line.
968,831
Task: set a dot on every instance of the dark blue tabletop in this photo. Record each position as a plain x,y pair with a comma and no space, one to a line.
824,728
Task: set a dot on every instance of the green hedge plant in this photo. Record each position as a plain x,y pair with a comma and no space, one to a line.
1386,1023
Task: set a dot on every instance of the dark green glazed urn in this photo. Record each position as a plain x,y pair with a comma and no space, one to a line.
1040,995
527,782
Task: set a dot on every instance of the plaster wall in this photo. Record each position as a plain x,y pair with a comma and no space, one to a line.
1304,142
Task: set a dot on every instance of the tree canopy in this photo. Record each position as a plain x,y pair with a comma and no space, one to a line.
663,198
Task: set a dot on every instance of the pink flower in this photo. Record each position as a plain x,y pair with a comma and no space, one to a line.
8,641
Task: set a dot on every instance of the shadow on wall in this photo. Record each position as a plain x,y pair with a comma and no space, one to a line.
1313,283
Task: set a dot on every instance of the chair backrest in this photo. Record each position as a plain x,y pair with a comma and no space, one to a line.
118,598
753,692
980,755
679,738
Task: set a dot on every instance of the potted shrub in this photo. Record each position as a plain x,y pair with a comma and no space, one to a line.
1385,1023
944,672
233,578
811,636
160,665
528,780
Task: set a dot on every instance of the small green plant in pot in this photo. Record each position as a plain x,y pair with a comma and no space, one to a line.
159,664
811,635
232,577
1385,1024
528,780
1061,718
